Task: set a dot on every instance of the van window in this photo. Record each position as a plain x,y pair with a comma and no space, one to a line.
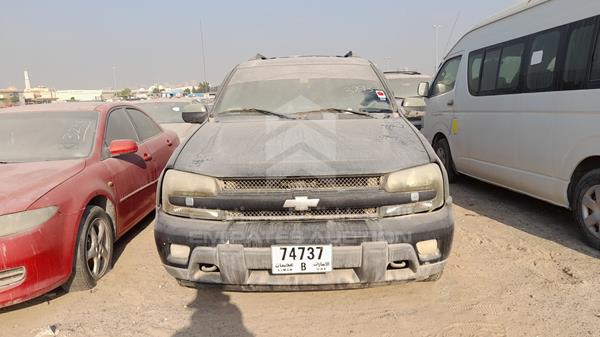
542,61
596,61
510,67
578,52
474,72
490,70
446,78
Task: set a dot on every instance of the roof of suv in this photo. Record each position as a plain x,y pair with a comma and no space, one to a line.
299,60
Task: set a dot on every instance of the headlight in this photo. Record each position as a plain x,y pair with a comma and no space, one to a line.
418,179
188,186
23,221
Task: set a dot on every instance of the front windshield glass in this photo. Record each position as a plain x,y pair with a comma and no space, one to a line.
46,136
294,88
165,112
405,87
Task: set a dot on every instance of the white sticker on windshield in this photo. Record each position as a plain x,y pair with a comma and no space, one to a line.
537,57
176,109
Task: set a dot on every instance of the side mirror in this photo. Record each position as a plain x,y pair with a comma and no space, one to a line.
120,147
423,89
195,113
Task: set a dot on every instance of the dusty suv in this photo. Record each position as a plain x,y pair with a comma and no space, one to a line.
303,176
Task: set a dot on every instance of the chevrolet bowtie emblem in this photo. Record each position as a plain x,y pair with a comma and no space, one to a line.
301,203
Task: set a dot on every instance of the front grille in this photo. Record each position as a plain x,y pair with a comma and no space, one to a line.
12,277
271,184
325,214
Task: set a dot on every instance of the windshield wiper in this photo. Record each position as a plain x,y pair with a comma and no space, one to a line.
261,111
338,110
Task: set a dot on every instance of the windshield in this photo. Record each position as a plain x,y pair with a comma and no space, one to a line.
45,136
405,87
165,112
290,89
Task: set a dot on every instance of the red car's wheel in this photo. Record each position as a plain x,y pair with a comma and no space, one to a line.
93,258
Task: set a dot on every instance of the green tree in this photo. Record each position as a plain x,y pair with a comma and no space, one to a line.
187,91
156,91
125,93
204,87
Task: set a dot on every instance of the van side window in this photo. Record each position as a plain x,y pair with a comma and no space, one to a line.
596,61
475,61
542,61
446,78
578,53
510,67
490,70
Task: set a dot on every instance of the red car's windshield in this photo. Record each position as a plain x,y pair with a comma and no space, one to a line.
44,136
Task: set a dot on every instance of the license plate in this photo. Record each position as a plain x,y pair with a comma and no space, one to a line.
301,259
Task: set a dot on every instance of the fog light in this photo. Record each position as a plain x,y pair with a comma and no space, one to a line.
428,250
180,252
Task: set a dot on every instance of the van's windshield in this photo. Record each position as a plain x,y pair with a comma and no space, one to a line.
290,89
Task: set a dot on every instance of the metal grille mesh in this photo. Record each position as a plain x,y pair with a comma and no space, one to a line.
301,183
352,213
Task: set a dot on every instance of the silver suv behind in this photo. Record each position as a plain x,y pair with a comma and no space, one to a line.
404,84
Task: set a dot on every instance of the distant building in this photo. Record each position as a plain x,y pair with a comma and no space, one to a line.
10,96
79,95
39,95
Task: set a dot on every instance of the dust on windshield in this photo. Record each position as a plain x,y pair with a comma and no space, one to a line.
46,136
294,88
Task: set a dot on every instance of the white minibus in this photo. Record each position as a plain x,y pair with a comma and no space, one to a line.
516,103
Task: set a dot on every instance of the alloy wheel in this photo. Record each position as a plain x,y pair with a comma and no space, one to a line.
98,248
590,207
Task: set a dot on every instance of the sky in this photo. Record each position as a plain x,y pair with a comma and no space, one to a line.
83,44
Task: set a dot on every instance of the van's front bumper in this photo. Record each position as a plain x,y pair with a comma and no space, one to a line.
363,250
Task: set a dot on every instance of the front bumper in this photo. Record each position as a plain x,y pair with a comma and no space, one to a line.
35,262
363,250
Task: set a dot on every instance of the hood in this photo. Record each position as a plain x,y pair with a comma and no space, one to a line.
22,184
333,147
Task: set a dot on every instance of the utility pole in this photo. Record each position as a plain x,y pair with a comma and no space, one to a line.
203,52
114,69
436,28
386,63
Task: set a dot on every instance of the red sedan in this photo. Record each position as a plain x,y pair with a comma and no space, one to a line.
73,179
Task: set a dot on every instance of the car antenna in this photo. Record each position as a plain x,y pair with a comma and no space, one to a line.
348,54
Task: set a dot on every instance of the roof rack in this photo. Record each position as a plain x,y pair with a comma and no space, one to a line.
404,72
258,56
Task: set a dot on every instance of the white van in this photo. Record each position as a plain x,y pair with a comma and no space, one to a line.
516,103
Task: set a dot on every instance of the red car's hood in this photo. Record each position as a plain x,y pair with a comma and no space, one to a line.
23,183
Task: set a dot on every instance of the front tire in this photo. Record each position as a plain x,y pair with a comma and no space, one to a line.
587,207
442,149
94,250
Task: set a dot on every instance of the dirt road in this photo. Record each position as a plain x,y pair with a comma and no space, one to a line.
518,268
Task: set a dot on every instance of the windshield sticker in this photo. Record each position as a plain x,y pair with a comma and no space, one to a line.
381,95
537,57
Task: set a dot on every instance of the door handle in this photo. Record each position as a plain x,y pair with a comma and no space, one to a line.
450,102
147,157
169,142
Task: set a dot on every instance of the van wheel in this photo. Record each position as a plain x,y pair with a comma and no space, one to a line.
442,149
587,207
94,251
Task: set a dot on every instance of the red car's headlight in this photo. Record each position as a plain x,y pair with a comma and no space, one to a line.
15,223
